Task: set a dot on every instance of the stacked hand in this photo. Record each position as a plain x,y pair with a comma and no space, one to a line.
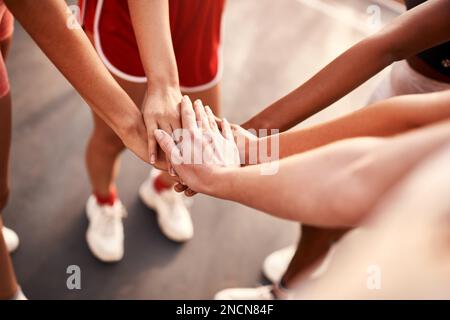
199,150
161,110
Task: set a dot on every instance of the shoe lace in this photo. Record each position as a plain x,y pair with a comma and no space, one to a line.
109,217
174,199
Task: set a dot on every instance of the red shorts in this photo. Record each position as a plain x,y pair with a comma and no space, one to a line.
196,31
6,31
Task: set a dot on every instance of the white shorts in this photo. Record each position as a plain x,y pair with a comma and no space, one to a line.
403,80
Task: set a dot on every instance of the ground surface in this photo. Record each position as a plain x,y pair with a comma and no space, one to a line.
270,47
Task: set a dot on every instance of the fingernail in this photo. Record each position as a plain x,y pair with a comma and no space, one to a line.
152,159
157,133
185,98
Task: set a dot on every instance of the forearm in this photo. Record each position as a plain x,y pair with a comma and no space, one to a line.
334,81
295,191
333,186
407,35
71,52
384,118
151,25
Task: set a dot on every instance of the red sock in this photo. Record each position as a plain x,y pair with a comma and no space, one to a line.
107,200
160,185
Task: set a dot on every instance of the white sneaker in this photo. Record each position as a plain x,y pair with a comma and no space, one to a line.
173,216
19,295
11,239
276,264
259,293
105,235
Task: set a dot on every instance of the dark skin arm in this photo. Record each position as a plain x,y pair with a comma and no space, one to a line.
409,34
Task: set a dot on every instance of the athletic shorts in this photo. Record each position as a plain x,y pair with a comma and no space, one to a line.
196,36
403,80
6,31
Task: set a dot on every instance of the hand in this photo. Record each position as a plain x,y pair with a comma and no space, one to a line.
161,111
134,137
247,144
246,140
203,151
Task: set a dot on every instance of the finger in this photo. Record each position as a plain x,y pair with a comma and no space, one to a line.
168,146
179,187
212,119
175,122
176,127
170,169
168,129
226,130
201,115
191,192
187,114
152,145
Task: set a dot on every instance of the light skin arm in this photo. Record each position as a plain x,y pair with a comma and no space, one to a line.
151,25
72,53
409,34
414,214
384,118
333,186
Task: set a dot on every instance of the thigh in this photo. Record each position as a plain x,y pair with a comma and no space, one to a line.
135,91
5,145
5,45
210,97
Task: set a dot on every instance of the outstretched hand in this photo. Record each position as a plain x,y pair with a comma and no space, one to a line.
203,150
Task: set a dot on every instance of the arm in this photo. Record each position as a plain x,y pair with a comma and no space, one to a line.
407,35
333,186
415,211
152,29
71,52
384,118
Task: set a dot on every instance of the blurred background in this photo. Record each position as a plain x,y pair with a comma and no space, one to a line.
270,47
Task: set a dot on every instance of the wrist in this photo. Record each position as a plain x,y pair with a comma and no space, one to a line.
162,84
219,183
257,123
130,124
252,152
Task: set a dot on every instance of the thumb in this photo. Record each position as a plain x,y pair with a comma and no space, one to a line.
168,146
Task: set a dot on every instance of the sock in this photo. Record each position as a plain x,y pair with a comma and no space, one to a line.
160,185
107,200
280,292
19,295
282,284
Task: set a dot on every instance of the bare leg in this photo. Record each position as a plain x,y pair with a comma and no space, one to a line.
8,283
104,146
313,246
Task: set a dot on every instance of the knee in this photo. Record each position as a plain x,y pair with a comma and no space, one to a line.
4,196
107,143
